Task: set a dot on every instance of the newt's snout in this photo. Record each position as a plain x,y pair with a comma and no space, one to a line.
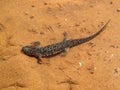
28,50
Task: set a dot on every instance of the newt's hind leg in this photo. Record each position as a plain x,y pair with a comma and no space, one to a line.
64,53
65,36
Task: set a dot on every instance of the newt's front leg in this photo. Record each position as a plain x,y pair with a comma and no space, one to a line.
39,60
35,44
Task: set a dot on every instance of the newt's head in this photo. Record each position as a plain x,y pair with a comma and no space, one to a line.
29,50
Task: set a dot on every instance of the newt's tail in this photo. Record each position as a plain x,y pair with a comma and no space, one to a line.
83,40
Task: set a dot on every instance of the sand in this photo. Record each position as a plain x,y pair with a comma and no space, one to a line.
94,65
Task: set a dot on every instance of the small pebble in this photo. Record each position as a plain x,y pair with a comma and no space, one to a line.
91,69
31,17
45,3
66,19
41,33
118,10
111,2
32,6
117,71
112,55
80,64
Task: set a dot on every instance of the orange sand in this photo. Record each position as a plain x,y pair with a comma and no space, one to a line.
91,66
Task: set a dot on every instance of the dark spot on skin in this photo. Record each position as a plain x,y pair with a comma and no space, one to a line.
50,48
73,42
45,49
54,48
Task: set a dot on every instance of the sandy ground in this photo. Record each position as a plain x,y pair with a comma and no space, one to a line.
94,65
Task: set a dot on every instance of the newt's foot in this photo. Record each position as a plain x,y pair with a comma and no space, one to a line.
39,61
64,53
37,43
65,36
